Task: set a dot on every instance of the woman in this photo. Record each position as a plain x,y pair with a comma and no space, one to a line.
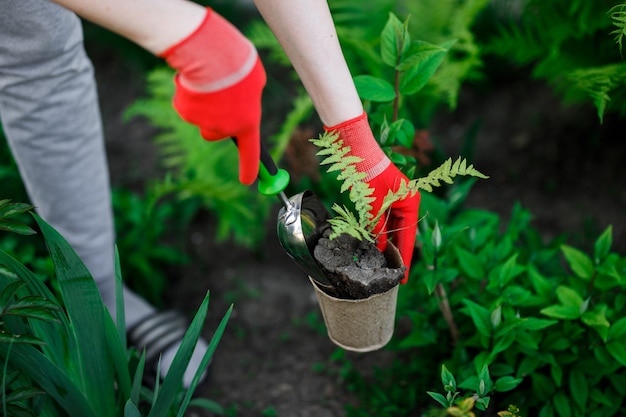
49,110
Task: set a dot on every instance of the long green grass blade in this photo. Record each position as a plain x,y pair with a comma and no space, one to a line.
206,359
135,392
172,383
119,298
52,379
131,410
87,314
116,337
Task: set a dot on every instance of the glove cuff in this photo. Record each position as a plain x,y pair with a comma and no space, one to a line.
213,57
357,134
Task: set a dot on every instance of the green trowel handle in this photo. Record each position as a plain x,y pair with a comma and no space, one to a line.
272,180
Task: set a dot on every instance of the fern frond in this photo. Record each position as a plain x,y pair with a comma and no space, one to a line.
446,172
618,17
336,155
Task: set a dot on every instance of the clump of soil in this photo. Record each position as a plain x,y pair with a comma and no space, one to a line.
355,268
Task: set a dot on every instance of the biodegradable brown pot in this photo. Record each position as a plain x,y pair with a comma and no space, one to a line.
361,325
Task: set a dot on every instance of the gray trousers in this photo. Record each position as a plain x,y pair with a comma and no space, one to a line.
50,114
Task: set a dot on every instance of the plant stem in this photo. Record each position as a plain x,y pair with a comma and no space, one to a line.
444,306
396,100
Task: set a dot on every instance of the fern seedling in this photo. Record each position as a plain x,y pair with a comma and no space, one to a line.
361,225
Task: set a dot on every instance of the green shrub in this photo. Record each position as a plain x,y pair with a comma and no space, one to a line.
544,321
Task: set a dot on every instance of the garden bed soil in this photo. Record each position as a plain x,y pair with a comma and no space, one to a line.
558,163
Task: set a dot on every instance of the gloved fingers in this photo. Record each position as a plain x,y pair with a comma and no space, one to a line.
402,228
249,145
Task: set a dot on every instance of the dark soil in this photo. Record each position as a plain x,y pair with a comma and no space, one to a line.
559,163
356,268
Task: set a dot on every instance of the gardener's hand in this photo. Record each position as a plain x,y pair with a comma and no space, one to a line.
219,85
400,222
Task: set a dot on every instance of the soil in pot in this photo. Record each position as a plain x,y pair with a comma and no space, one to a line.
355,268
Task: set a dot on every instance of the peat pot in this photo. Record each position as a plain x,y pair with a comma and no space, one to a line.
361,325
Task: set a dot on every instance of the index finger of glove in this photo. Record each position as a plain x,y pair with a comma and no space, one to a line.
402,226
249,146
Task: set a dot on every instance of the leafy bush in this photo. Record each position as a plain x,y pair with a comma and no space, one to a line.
545,320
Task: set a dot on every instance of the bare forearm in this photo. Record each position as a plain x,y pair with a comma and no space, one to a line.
153,24
307,33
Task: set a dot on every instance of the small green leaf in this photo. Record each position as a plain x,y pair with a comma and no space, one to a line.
417,52
436,238
602,246
431,280
617,329
480,316
439,398
562,312
510,270
503,343
374,88
557,374
485,384
597,320
470,263
580,263
8,209
568,297
496,316
533,323
482,403
449,383
418,75
617,350
16,227
507,383
402,132
579,387
562,405
394,40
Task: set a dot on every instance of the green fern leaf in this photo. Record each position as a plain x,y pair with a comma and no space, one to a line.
618,16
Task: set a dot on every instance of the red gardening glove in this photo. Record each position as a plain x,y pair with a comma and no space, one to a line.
400,222
219,85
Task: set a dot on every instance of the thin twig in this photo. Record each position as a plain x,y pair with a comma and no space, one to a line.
444,306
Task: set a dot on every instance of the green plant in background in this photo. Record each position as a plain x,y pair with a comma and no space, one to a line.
66,357
569,45
149,230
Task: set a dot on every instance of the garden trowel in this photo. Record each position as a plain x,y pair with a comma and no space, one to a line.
301,220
